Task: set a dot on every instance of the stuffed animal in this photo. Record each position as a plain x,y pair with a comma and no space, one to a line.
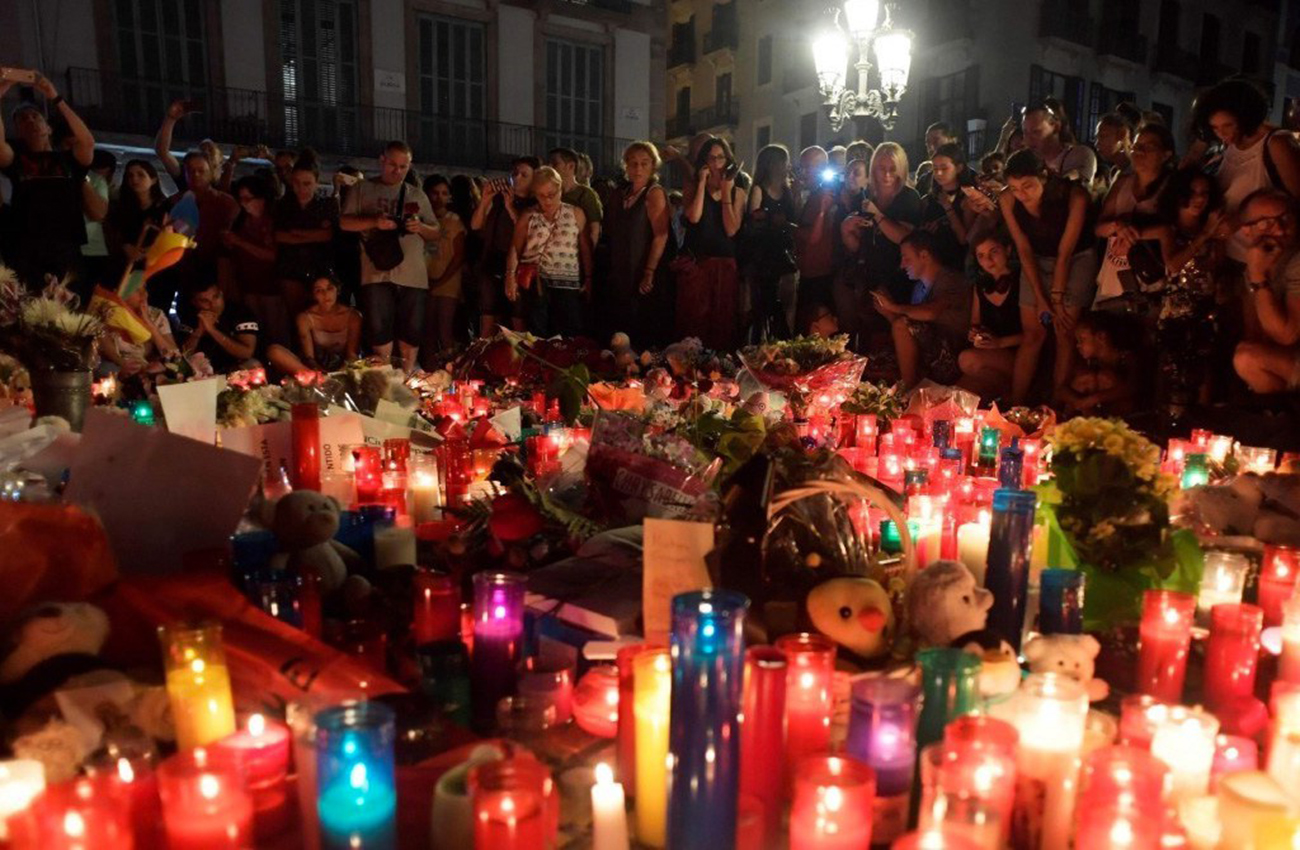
944,603
305,523
1070,655
52,664
853,612
999,669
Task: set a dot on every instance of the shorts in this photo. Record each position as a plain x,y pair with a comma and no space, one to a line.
391,311
1080,285
938,352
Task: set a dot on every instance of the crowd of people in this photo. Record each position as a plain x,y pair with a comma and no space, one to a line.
1150,264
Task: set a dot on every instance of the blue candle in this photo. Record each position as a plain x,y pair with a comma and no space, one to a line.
882,735
1007,575
355,777
1060,602
708,665
1011,471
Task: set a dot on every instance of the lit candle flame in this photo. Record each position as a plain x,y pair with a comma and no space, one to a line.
74,825
256,725
604,774
209,786
124,770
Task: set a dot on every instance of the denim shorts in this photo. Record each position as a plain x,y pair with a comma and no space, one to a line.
1080,284
391,311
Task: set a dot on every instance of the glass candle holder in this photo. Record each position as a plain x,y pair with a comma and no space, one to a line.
1288,667
498,640
198,683
300,716
1277,580
552,682
80,814
762,732
830,795
205,801
1232,653
367,474
810,667
627,726
1127,779
1233,754
444,677
1222,582
1140,714
1196,471
525,719
21,781
436,607
704,735
305,443
882,735
132,773
950,688
1165,635
1184,741
652,683
1060,602
512,800
1051,715
356,800
1007,575
973,545
973,793
596,701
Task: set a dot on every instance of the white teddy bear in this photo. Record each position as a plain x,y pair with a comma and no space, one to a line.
1070,655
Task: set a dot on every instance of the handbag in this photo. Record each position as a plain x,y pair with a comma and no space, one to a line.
1146,263
384,247
525,274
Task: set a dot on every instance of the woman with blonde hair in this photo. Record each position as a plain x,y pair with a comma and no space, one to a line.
637,225
889,211
549,264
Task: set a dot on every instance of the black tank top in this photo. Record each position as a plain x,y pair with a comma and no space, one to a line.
1045,230
708,237
999,319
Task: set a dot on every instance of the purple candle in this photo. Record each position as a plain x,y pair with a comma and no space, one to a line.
882,735
498,641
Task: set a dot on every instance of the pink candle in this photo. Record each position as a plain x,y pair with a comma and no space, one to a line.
1232,653
831,795
261,749
809,699
1277,580
205,803
1233,754
762,732
83,814
136,784
1140,714
1165,636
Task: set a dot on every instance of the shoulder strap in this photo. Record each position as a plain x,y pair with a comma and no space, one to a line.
1269,166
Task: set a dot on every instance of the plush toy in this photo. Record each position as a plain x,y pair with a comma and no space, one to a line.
305,523
853,612
1070,655
999,669
944,603
62,699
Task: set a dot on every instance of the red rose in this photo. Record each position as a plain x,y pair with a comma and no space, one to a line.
514,518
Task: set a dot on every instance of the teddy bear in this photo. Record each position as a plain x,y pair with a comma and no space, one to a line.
304,523
1070,655
62,700
944,603
999,668
854,612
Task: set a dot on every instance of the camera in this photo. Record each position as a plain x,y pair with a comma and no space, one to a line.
831,177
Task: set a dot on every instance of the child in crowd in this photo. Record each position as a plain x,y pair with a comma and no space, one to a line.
1105,379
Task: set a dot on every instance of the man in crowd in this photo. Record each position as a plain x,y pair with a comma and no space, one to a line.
46,227
225,334
395,221
217,210
567,161
1268,359
937,135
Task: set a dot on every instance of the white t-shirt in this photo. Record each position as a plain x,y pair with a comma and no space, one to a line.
373,197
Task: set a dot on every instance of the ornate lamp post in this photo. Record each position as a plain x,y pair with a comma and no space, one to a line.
893,50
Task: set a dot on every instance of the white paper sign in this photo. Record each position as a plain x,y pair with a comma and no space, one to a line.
510,423
272,443
674,563
191,408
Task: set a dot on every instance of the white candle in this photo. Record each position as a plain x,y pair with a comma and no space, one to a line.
425,497
1051,716
1222,581
394,546
20,781
1220,447
1289,665
1184,740
973,546
1199,816
608,812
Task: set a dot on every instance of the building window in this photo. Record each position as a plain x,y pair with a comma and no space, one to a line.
1210,33
765,60
1068,90
682,49
575,96
952,98
161,53
1167,32
762,137
722,94
1250,53
318,73
1102,101
807,130
453,76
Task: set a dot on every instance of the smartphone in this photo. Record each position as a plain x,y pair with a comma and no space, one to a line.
732,170
1017,110
22,76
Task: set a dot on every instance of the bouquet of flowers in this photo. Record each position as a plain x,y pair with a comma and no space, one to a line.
804,363
886,401
1110,501
46,331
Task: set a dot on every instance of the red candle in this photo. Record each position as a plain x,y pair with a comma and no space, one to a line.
205,803
516,804
627,716
934,839
261,749
1116,827
367,474
1233,754
809,699
436,613
976,782
135,782
1121,796
751,832
83,814
1277,580
831,795
1165,636
305,439
1140,714
596,701
762,732
1232,653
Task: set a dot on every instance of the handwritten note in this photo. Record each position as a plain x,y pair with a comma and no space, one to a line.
674,563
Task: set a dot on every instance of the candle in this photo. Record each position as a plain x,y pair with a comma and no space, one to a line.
1277,832
1196,471
1164,636
198,683
627,726
436,607
1222,581
1233,754
367,474
1140,715
973,545
1232,654
975,792
1184,741
21,781
882,735
131,776
262,751
950,688
1120,800
1256,459
498,640
1277,580
426,496
808,697
205,803
1007,575
82,814
1220,446
934,839
608,815
704,735
1060,602
305,441
394,544
652,681
356,800
1051,714
553,683
1247,798
1288,669
300,716
513,800
830,795
595,701
866,431
751,832
762,733
1284,758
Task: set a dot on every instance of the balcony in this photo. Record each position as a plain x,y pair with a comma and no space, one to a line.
1066,21
1122,42
681,53
721,38
1173,60
1209,73
726,114
113,104
679,126
624,7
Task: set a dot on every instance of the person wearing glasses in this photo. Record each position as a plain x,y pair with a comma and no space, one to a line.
1268,359
1129,215
1048,134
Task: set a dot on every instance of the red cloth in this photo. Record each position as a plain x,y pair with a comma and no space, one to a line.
708,301
52,553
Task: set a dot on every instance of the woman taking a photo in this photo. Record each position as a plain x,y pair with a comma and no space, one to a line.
1047,217
708,287
549,264
636,227
770,231
945,212
1130,213
329,334
443,259
499,207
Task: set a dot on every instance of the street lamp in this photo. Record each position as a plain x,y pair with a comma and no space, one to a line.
893,50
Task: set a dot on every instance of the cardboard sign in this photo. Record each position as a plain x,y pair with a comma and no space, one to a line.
191,408
272,443
674,563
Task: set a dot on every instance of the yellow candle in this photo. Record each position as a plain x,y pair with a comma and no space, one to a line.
1245,798
1277,832
652,685
198,684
